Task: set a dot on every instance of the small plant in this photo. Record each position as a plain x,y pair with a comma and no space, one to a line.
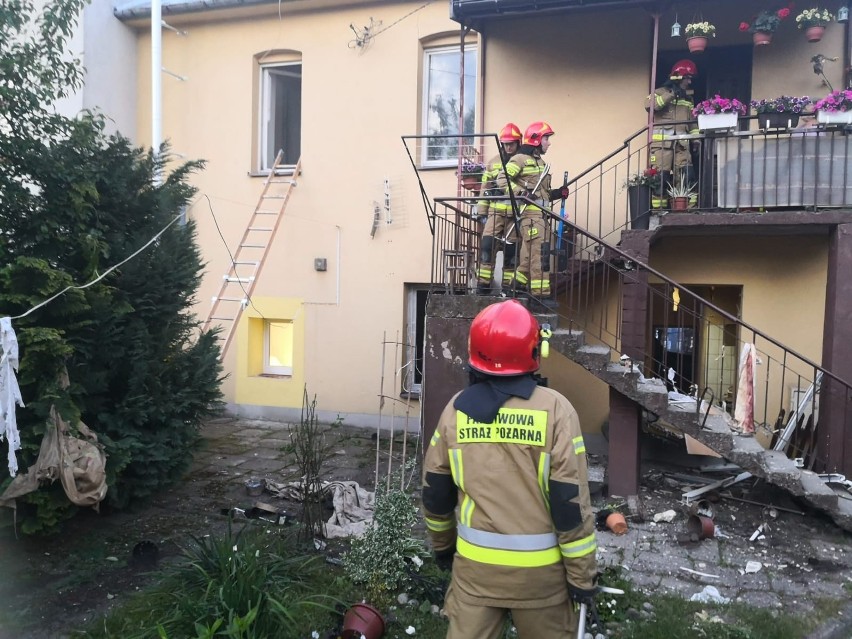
718,104
650,177
385,557
835,101
781,104
472,167
765,21
700,29
682,187
815,17
311,452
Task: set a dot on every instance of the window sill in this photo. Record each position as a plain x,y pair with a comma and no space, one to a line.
411,395
266,172
274,376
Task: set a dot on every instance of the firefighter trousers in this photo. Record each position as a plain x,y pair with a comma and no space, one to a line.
496,227
535,245
484,622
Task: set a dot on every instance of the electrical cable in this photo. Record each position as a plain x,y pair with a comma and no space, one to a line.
107,272
230,255
365,39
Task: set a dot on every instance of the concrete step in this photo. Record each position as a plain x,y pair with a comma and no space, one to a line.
711,428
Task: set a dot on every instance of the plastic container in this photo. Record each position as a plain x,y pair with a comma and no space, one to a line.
362,621
701,526
255,486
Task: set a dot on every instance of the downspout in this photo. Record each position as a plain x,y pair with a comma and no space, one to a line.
156,80
463,31
656,44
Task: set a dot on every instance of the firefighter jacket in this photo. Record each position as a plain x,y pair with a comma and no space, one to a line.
668,109
512,496
523,173
489,187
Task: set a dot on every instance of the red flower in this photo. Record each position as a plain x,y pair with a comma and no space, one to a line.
650,172
783,13
744,26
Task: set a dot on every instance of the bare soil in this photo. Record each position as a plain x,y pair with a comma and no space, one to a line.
50,587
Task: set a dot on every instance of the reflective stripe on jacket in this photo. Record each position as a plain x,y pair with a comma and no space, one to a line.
523,172
519,511
489,184
669,109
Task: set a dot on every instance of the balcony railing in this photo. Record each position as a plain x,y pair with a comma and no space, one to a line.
801,169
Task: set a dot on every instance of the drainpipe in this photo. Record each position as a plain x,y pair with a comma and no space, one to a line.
656,17
156,80
847,56
462,34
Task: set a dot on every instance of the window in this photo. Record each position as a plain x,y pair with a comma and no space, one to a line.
277,347
416,298
441,98
281,113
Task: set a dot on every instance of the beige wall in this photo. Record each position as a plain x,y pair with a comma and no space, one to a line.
357,102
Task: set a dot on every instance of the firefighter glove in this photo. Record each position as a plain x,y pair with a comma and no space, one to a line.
444,558
559,194
582,595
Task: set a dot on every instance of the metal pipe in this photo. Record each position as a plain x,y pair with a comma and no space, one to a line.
156,80
654,48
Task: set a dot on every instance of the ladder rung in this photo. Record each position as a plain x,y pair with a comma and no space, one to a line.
223,319
247,262
273,197
252,245
245,280
282,181
266,212
265,229
231,299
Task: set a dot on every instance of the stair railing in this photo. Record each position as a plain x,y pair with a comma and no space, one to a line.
693,343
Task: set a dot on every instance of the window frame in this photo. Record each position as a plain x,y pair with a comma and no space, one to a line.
267,71
440,49
267,368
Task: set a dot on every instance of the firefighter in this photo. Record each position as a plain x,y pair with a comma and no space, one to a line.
672,103
497,214
525,174
505,491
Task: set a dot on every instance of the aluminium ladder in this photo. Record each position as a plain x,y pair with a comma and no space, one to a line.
238,283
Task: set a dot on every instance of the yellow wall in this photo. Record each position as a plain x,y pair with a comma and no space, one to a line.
357,102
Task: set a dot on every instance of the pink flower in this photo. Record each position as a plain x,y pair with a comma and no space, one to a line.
783,13
744,26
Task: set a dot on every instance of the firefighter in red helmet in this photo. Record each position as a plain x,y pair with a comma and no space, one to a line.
497,214
526,176
672,106
505,491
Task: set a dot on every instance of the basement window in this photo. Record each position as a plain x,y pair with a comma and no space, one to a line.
277,347
280,114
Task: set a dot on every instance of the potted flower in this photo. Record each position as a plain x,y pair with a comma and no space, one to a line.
681,192
814,21
471,174
781,112
764,24
718,113
644,192
835,108
697,34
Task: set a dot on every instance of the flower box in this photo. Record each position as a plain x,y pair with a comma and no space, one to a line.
778,120
834,117
717,121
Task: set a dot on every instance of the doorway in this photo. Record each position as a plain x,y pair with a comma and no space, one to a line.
722,70
695,347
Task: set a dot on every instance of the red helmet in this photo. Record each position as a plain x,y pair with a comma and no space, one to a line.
504,340
535,132
510,133
682,68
